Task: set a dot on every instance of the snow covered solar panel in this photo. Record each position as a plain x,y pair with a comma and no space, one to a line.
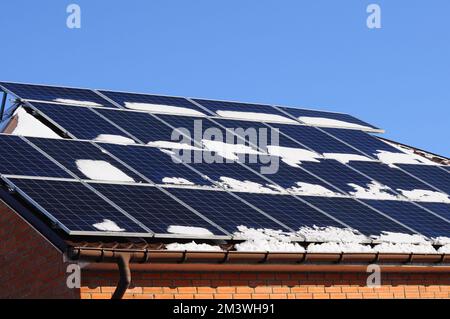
75,207
83,159
362,141
155,103
337,174
155,209
356,215
17,157
389,176
81,122
429,173
63,95
224,209
413,216
242,111
322,118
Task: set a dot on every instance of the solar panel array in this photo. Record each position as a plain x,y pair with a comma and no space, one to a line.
173,183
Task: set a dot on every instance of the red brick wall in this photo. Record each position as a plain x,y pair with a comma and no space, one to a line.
267,285
30,267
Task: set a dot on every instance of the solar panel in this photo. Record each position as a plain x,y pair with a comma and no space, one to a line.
431,174
75,207
412,216
150,102
153,208
337,174
303,115
71,154
362,141
392,177
356,215
245,111
56,94
17,157
447,168
230,213
81,122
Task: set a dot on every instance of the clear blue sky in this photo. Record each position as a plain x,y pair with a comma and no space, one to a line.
314,53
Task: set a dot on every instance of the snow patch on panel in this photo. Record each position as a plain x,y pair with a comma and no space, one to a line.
102,171
229,151
423,195
327,122
176,181
255,116
307,189
76,102
108,225
167,109
346,158
391,158
293,156
374,190
245,186
114,139
188,230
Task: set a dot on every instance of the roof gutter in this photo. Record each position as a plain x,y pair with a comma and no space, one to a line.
162,260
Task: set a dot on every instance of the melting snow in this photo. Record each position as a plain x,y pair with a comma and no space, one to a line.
423,195
255,116
442,240
265,240
229,151
28,125
188,230
391,158
102,171
322,121
76,102
245,186
108,225
159,108
444,249
346,158
333,247
374,190
173,145
390,237
193,246
114,139
404,248
176,181
331,234
293,156
312,190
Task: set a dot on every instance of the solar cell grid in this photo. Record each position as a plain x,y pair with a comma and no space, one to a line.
54,94
442,209
17,157
75,206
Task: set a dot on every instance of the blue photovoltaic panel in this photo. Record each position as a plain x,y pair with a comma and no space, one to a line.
289,210
217,106
315,139
224,209
74,205
447,168
53,93
442,209
68,152
337,174
356,215
123,98
297,113
79,121
392,177
412,216
17,157
153,163
364,142
431,174
153,208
